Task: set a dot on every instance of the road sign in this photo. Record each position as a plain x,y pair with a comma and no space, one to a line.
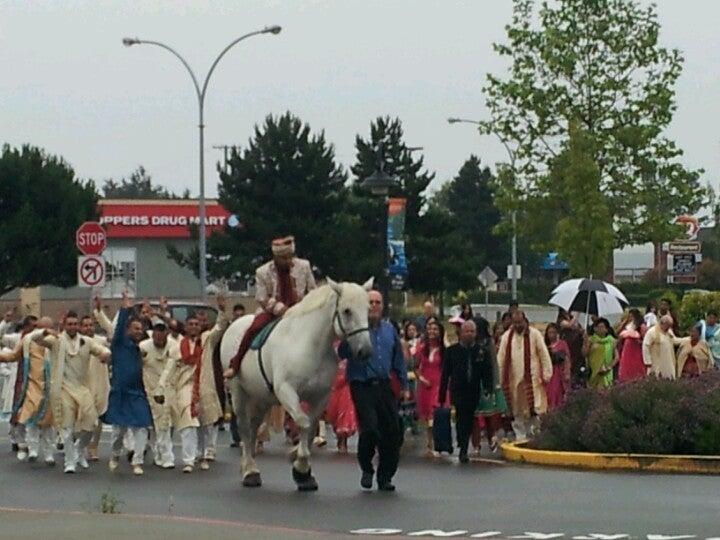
518,271
487,277
91,271
90,238
682,246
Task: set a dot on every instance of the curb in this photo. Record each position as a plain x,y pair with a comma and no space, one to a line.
517,453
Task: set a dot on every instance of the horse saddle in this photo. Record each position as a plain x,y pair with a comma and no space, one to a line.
258,341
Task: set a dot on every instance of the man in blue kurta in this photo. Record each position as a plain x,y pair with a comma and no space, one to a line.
128,408
375,403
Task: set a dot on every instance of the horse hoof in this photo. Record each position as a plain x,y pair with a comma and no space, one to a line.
305,481
252,480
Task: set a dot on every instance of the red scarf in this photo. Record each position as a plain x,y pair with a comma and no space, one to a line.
286,287
527,372
193,358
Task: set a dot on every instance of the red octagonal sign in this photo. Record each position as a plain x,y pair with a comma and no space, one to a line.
90,238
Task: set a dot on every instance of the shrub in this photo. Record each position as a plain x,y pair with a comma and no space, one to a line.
695,306
649,416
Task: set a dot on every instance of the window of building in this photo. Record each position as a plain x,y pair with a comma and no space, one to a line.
120,272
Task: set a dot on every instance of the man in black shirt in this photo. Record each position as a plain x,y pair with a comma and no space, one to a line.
464,367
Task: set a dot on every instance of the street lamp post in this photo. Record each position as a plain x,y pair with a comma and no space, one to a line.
379,184
201,92
513,217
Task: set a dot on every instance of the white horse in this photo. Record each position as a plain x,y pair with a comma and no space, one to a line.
296,365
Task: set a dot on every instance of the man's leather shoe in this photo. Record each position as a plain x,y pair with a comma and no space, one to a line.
366,482
464,457
386,485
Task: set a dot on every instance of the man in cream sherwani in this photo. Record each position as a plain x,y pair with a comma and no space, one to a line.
73,404
197,407
525,368
659,349
157,353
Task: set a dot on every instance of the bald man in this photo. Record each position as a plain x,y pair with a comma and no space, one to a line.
428,312
375,404
466,368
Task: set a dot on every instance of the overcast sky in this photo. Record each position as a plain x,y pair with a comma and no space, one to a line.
69,85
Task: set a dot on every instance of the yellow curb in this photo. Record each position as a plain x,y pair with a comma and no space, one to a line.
622,462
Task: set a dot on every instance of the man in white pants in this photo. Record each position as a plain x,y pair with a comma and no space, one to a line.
157,353
128,408
196,401
73,404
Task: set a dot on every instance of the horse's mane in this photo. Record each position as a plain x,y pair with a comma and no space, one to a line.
314,300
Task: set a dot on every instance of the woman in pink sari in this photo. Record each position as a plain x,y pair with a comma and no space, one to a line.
428,358
631,358
341,410
559,384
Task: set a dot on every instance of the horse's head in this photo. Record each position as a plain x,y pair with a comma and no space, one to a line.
351,316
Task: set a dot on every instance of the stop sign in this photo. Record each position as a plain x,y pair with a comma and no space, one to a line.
90,238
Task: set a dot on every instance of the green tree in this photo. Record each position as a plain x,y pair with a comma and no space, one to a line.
597,62
386,144
442,260
285,182
469,198
42,204
138,186
583,235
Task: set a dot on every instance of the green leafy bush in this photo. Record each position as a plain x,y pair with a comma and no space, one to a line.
649,416
694,306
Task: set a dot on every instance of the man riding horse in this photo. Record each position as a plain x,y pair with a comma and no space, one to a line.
280,284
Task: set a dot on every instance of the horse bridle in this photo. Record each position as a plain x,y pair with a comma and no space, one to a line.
336,317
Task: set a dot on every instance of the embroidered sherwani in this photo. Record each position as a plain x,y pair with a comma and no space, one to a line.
541,371
155,361
266,283
98,377
181,376
72,401
34,399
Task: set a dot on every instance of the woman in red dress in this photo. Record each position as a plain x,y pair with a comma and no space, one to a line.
428,357
559,384
631,337
341,410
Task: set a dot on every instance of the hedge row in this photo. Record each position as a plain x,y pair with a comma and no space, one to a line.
648,416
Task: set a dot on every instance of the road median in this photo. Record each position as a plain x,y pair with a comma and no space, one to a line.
519,453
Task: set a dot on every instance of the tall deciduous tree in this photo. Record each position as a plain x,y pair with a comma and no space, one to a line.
597,62
285,182
138,185
42,204
583,233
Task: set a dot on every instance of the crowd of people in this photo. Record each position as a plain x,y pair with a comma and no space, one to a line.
152,378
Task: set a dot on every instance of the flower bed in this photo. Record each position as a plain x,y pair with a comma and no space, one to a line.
649,416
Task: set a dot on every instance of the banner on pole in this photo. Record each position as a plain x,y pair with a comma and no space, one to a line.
397,262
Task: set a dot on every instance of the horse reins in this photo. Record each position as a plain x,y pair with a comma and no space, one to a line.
345,333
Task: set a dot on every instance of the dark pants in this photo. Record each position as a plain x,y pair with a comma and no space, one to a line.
379,423
464,420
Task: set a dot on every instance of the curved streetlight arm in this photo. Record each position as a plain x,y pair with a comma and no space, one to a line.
201,93
179,57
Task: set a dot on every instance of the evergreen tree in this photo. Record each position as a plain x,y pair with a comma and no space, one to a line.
285,182
138,186
386,144
469,198
42,204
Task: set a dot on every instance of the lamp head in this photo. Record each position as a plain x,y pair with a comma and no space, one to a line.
453,120
128,42
275,29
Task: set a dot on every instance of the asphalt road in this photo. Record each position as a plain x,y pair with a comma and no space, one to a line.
433,494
